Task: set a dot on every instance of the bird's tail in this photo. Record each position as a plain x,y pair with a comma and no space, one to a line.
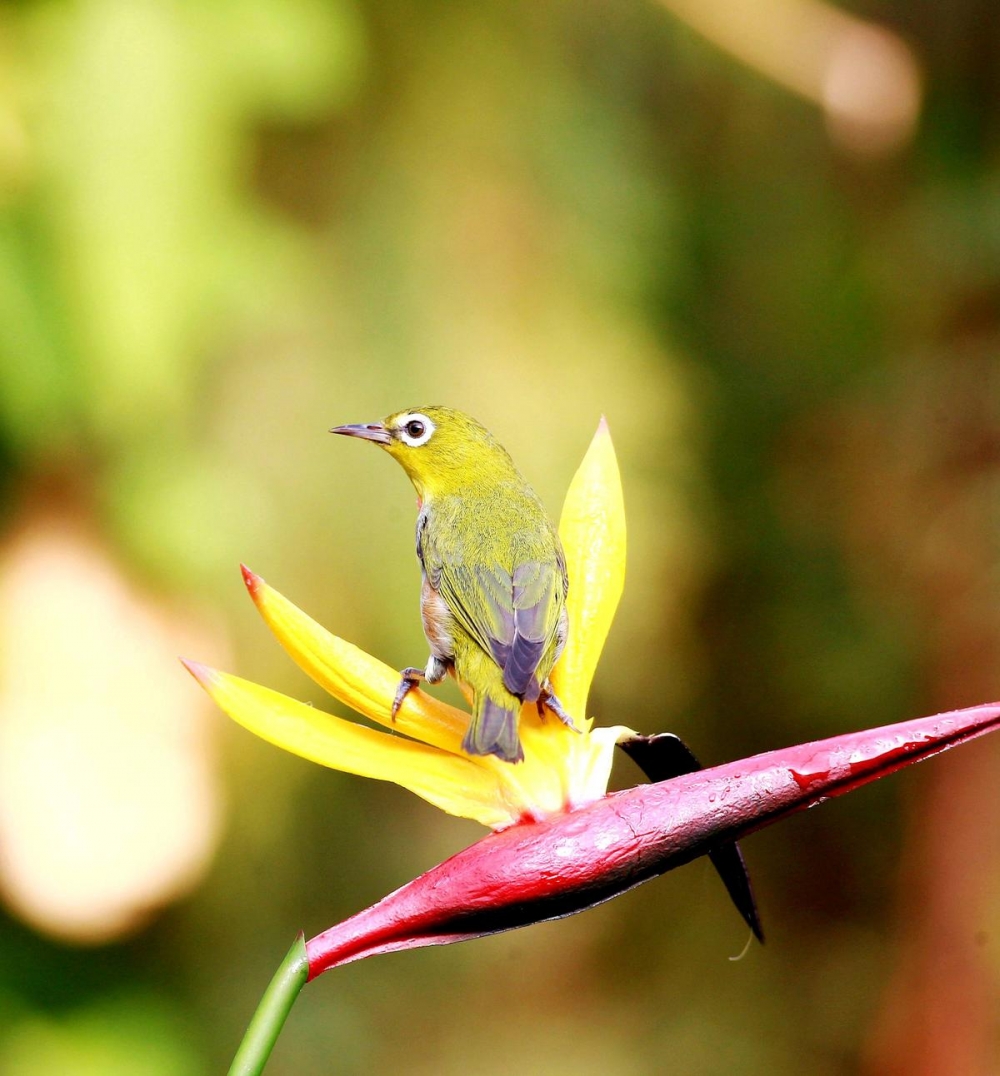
493,730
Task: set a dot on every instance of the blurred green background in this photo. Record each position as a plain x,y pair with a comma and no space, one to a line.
762,238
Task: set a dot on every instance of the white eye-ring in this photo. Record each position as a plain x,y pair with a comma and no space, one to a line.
415,429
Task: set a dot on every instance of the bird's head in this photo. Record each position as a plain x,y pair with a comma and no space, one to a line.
442,450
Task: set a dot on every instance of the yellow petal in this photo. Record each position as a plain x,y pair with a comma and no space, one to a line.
454,783
592,530
355,678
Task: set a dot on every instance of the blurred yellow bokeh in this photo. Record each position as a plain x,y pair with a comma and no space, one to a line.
109,798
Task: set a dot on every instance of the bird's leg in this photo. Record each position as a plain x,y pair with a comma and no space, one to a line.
546,697
410,677
434,673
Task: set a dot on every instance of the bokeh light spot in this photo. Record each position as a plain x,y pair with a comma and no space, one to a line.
109,805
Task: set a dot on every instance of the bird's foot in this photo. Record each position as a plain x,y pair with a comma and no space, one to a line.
410,677
548,699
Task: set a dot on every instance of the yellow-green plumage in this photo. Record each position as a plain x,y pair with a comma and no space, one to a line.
493,597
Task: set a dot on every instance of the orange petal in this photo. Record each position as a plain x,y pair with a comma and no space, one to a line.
355,678
592,530
454,783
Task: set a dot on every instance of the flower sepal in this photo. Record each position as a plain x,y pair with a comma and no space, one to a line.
573,861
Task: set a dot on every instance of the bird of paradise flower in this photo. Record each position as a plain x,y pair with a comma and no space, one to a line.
561,843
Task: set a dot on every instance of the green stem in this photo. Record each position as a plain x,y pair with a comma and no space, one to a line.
273,1010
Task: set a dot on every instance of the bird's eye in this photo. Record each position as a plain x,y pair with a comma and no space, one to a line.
415,429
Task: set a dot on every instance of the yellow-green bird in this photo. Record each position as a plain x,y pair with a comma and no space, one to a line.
493,592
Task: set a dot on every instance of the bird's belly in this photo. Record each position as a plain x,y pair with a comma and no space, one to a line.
437,622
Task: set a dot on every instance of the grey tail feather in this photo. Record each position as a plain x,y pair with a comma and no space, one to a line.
493,731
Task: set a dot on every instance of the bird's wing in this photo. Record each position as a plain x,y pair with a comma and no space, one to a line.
538,596
511,615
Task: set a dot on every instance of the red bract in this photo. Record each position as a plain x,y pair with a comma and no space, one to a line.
572,861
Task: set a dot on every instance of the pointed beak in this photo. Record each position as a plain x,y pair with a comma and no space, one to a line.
373,431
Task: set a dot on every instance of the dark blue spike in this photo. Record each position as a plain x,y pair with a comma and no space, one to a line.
666,755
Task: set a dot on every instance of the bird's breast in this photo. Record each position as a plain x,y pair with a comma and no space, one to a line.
437,622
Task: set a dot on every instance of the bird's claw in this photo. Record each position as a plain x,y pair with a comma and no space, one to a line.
552,702
410,677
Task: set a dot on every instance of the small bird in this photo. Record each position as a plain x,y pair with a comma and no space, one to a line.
493,573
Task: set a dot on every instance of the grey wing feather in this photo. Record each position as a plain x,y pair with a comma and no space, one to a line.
513,617
533,600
